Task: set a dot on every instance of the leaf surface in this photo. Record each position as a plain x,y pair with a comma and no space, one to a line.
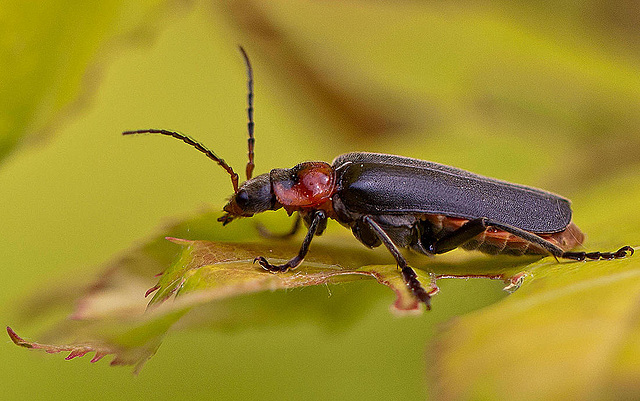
112,316
572,324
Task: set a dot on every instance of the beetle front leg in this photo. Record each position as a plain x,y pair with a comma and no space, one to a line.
318,218
408,274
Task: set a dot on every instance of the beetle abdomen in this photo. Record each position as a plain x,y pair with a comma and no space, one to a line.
376,184
493,241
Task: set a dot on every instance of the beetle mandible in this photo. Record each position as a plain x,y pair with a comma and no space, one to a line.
400,202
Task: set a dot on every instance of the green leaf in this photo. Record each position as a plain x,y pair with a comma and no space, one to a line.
50,49
211,270
111,317
212,279
553,105
571,331
205,272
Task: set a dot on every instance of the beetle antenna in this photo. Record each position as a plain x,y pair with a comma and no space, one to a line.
250,124
200,147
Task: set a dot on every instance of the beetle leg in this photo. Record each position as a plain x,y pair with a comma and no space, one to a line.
458,237
265,232
318,218
476,226
408,274
619,254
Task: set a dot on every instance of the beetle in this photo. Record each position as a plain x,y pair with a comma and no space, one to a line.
401,202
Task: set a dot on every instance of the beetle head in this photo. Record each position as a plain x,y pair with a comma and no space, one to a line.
253,196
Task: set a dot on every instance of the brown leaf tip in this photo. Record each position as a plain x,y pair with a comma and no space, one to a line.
99,355
75,351
76,354
178,241
78,350
152,289
17,340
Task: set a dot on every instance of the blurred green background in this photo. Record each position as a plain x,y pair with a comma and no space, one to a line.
544,94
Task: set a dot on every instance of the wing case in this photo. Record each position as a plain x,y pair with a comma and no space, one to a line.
379,184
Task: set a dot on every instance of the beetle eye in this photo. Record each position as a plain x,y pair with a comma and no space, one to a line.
242,199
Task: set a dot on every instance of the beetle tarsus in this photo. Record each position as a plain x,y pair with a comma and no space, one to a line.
623,252
272,268
411,278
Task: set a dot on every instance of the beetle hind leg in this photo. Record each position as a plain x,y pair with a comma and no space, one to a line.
408,274
619,254
474,227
